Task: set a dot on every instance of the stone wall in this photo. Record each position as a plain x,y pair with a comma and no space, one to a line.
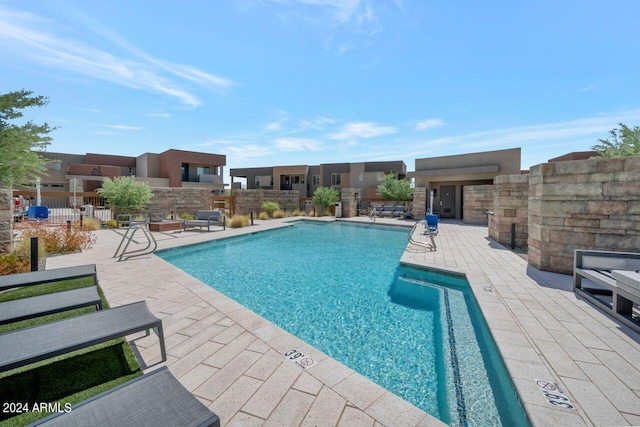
419,207
174,200
477,200
349,202
510,210
6,220
585,204
246,201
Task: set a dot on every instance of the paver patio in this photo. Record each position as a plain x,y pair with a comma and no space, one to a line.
231,359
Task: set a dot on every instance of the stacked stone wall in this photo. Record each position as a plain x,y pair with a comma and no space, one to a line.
349,202
246,201
170,200
419,207
477,200
510,210
587,204
6,220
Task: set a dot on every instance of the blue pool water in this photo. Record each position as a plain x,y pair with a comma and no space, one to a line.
340,288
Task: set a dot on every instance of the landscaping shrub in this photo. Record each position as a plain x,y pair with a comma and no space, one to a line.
112,223
12,264
187,216
270,207
263,216
60,239
278,214
298,213
91,224
239,221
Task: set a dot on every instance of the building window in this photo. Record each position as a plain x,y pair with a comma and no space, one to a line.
202,170
315,180
361,176
336,178
379,176
54,166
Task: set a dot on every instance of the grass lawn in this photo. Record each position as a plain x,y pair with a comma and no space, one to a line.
66,379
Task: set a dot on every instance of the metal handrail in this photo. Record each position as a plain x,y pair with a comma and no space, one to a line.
128,237
427,232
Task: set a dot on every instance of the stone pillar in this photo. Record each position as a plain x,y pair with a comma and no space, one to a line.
6,220
349,202
510,210
419,207
583,204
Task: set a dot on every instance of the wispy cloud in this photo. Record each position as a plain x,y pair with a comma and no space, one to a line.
162,115
34,38
428,123
296,144
362,130
124,127
247,151
274,126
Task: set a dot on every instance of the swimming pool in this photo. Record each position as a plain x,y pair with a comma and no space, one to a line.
340,288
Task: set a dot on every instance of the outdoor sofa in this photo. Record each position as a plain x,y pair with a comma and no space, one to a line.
153,399
47,340
615,275
206,218
27,308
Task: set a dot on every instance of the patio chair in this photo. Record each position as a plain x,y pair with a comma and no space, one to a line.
30,345
206,218
432,223
153,399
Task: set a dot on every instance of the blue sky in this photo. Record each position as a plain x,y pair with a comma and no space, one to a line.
285,82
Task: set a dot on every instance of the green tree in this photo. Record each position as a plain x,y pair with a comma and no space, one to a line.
623,142
21,145
125,194
270,207
398,190
324,197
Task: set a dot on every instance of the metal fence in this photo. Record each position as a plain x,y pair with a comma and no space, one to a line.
68,206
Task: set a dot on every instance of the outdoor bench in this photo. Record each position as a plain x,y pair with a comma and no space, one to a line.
48,276
615,274
47,340
392,211
206,218
153,399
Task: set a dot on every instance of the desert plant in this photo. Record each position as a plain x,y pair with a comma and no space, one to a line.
60,239
298,213
91,224
112,223
239,221
125,194
270,207
187,216
13,264
278,214
263,216
324,197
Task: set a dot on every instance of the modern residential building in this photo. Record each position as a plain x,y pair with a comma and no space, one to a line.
446,176
171,168
365,176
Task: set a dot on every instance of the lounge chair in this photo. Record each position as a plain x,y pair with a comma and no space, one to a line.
41,305
30,345
613,274
48,276
206,218
153,399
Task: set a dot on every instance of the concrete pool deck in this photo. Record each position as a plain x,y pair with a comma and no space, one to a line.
232,359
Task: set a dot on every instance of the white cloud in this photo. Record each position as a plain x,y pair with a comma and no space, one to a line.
26,35
248,151
296,144
274,126
362,130
162,115
124,127
428,123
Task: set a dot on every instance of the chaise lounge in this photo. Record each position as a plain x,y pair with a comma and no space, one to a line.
30,345
609,274
153,399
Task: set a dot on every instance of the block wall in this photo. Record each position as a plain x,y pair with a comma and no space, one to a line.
419,207
586,204
179,200
477,200
349,202
510,210
246,201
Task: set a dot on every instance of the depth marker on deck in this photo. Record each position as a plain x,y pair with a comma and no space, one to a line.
300,359
554,394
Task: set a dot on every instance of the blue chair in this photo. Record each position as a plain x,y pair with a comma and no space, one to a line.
432,223
37,213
